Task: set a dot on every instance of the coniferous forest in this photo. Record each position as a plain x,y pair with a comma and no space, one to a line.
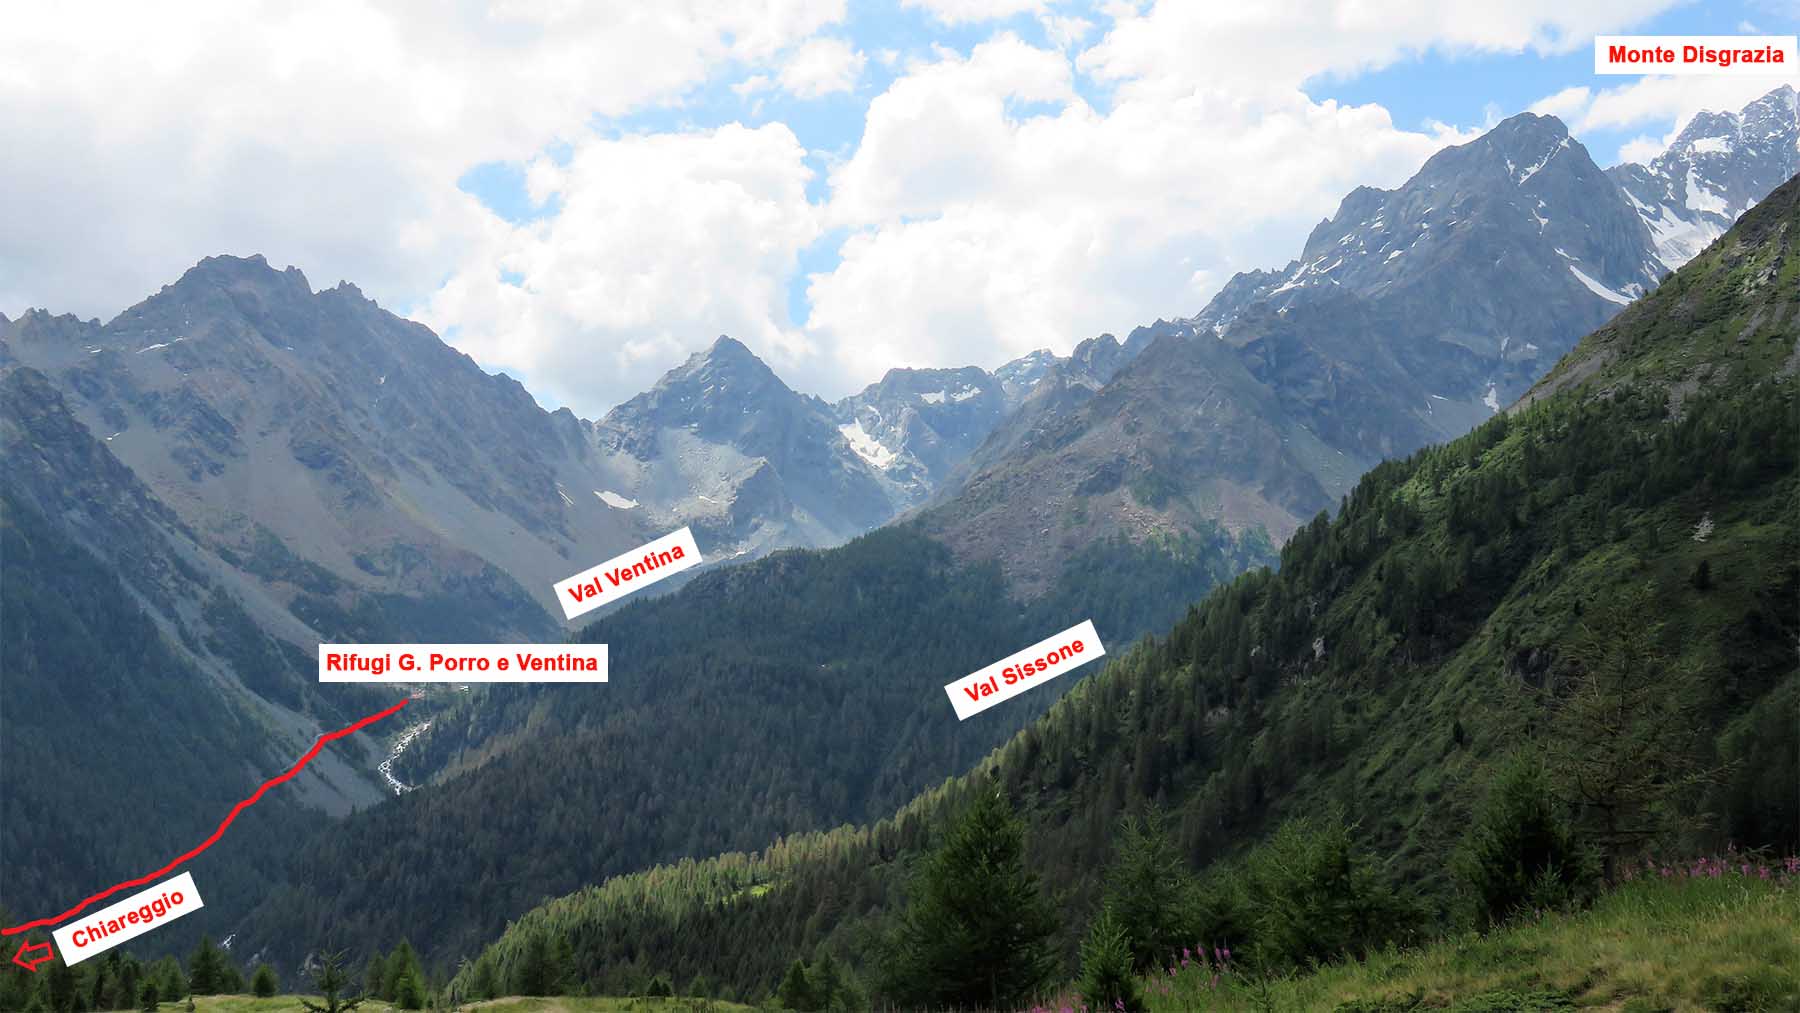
1508,671
1446,579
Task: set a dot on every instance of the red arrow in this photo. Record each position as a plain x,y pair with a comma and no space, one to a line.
27,963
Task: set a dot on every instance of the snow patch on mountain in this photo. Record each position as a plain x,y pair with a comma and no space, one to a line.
1718,167
865,446
1598,289
614,500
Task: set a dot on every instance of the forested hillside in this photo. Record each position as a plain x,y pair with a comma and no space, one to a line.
128,655
790,694
1621,543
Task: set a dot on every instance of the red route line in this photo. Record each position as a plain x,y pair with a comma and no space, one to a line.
216,834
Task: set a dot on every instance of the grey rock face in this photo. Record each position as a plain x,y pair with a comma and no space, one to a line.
917,425
317,429
1503,251
1411,315
723,444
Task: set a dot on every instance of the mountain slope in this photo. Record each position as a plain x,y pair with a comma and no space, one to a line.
339,453
129,648
1183,440
815,678
1411,315
1402,646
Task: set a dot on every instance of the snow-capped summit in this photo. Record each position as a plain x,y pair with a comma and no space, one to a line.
1717,168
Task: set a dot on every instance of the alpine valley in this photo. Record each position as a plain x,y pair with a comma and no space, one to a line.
1349,532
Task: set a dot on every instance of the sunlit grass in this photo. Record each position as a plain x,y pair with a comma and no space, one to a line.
516,1004
1710,941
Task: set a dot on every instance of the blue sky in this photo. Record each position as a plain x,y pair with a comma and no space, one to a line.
1464,87
584,194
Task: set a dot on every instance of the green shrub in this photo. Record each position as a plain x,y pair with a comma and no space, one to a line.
1314,899
264,983
1521,853
1218,910
1107,982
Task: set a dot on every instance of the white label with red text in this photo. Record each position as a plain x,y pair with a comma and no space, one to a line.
1746,55
621,575
132,917
1016,673
462,663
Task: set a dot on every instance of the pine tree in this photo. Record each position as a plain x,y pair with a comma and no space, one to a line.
484,981
533,976
827,983
374,974
62,987
130,982
400,965
1145,888
1628,739
795,992
409,990
562,979
106,975
330,980
1107,981
148,997
978,930
264,983
206,968
171,984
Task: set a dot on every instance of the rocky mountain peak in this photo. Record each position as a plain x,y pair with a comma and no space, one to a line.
1518,148
254,271
1020,375
726,368
722,392
1719,166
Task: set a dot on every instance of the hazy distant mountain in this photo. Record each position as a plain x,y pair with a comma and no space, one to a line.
916,426
345,457
381,485
1719,166
1411,315
1485,266
722,444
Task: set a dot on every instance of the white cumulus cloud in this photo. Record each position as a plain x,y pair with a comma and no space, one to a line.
662,241
331,135
994,211
962,12
820,67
